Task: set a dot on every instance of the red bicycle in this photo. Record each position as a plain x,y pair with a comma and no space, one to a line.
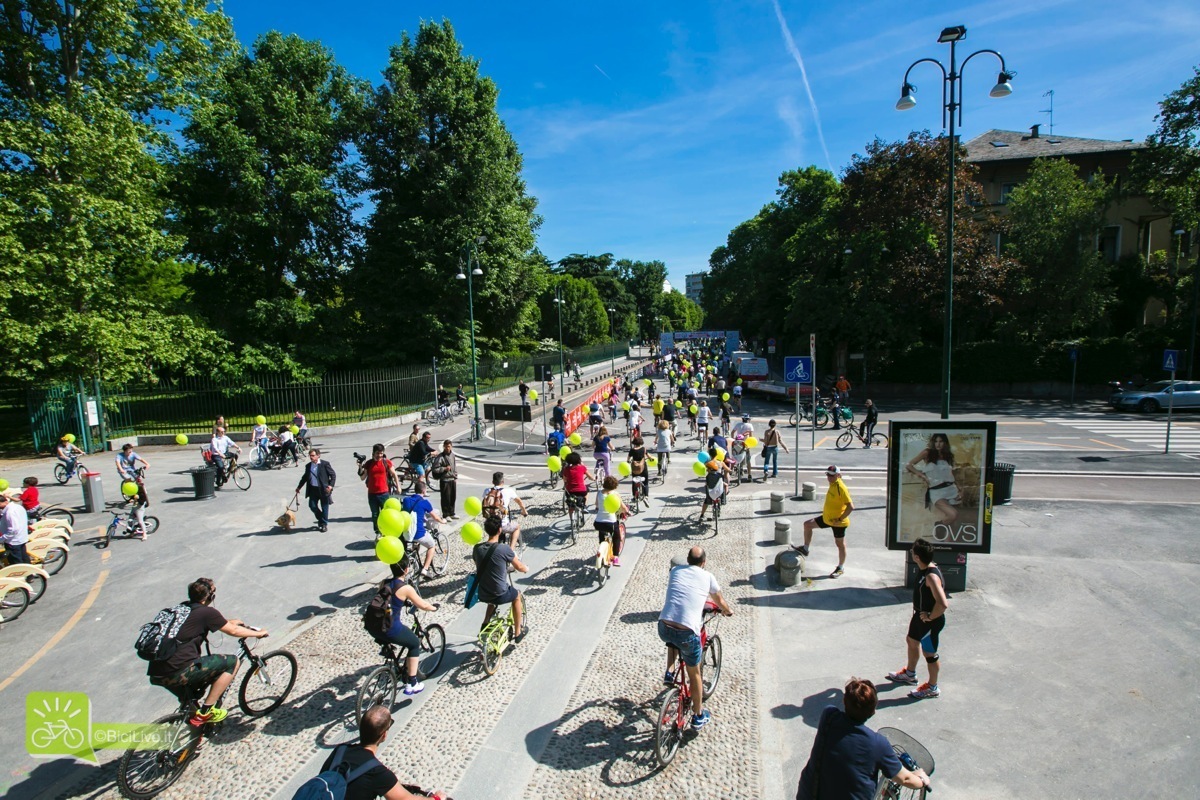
675,713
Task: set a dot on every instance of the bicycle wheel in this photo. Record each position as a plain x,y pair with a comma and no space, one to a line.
493,647
845,440
59,513
150,523
54,560
37,587
886,789
441,554
668,728
143,773
821,418
433,650
13,602
717,517
553,480
379,689
241,478
603,560
880,440
267,684
710,665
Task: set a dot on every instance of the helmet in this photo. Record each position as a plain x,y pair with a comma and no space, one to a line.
745,417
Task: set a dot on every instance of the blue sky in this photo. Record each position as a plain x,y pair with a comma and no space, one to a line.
650,129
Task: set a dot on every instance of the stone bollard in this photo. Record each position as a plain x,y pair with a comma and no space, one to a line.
789,565
783,531
777,502
808,491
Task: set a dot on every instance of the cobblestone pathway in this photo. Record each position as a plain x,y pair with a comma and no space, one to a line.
603,746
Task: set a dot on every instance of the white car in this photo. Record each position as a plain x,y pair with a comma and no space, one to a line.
1157,396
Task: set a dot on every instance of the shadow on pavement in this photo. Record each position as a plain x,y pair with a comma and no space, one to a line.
616,733
839,599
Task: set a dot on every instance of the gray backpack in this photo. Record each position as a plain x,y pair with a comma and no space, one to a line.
157,640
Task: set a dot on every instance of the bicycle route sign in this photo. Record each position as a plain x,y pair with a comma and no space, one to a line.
797,369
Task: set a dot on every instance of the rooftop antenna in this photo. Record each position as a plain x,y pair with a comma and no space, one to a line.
1049,110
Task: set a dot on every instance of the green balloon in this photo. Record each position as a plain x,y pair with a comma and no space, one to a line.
392,502
473,505
389,549
472,533
129,488
612,503
260,419
392,522
181,438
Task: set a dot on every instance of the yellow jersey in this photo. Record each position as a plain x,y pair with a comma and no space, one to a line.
836,501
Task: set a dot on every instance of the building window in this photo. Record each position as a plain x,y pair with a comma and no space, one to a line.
1006,189
1109,245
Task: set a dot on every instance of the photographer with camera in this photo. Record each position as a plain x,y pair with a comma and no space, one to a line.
380,476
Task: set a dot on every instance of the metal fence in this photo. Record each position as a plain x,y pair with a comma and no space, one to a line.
191,405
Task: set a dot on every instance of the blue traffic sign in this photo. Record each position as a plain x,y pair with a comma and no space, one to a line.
797,369
1170,360
1073,354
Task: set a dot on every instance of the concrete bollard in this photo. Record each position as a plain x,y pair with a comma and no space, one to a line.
777,502
808,491
789,564
783,531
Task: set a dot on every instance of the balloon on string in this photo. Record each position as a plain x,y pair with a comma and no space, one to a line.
625,406
392,522
473,505
393,502
698,468
612,502
295,429
703,456
647,381
651,461
260,419
720,456
693,408
625,469
533,395
564,451
472,533
70,437
129,488
739,381
554,463
181,438
725,397
575,439
679,404
751,442
389,549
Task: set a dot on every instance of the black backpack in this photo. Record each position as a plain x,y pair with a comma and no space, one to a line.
377,618
158,638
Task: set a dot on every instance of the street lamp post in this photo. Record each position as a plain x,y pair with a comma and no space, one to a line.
612,336
467,274
562,385
951,104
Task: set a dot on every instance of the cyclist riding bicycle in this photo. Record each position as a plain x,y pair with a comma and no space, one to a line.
595,419
664,440
298,421
497,501
555,441
607,523
575,483
186,669
637,464
400,634
443,399
285,444
702,419
421,543
602,448
220,447
260,438
460,397
716,481
491,575
743,429
66,453
669,415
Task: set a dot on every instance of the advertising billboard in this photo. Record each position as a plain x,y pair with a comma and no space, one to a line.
939,484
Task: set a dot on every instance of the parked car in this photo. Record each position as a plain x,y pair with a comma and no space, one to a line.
1157,396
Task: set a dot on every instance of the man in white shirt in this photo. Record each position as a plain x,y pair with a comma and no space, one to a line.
14,529
221,445
635,421
688,589
743,429
506,496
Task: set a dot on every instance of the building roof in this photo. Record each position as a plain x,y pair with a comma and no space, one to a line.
996,145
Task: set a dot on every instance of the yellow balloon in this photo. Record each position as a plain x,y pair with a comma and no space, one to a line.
181,438
693,408
392,522
725,397
564,451
625,406
698,468
554,463
129,488
575,439
392,502
625,469
472,533
389,549
720,456
533,395
751,442
612,503
260,419
473,505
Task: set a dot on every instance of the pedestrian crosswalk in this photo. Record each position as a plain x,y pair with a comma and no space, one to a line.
1139,433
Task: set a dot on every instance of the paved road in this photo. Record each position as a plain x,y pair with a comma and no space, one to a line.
567,715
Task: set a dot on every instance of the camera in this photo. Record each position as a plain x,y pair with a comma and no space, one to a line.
359,458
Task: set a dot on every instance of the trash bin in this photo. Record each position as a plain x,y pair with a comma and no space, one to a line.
93,493
789,564
204,482
1002,483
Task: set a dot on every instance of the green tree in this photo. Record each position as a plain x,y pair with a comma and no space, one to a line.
1059,286
266,198
90,282
643,280
580,265
584,318
680,313
445,177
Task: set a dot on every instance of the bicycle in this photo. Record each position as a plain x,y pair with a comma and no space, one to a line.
35,578
495,637
441,554
877,439
674,715
913,756
554,476
639,491
48,551
52,511
438,415
604,554
63,475
131,526
576,510
808,414
664,462
146,771
15,597
383,682
239,474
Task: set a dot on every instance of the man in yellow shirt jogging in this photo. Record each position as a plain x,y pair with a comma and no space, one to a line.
835,514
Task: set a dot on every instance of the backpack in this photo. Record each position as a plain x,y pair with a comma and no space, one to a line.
377,618
157,640
333,782
493,503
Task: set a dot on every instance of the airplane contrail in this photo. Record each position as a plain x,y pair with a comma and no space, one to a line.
812,102
602,72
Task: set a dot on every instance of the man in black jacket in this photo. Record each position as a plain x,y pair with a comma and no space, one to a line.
317,481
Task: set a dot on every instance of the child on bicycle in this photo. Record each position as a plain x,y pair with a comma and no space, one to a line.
608,523
664,440
30,498
637,463
716,481
65,451
602,448
575,483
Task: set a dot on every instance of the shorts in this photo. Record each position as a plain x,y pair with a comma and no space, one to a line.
926,632
424,543
595,419
839,531
509,595
508,525
603,528
577,499
196,676
686,642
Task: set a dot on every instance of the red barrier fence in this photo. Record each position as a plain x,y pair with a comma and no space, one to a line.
577,416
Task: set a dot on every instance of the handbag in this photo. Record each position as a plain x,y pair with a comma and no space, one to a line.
472,595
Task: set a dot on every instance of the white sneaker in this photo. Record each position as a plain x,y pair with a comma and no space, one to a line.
414,688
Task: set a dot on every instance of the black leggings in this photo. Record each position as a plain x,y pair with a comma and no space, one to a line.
613,532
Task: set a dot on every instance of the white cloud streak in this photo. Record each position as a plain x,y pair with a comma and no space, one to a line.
812,101
602,72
